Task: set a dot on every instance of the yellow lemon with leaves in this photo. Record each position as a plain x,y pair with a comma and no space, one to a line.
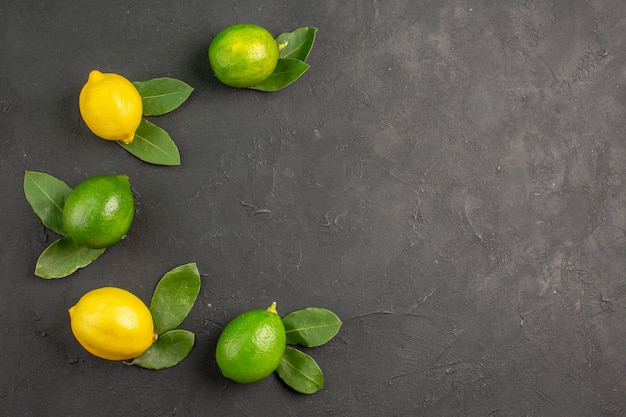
112,323
111,106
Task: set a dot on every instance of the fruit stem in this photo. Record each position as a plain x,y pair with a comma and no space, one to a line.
282,45
272,308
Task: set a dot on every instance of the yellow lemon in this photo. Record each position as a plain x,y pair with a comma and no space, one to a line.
110,106
112,323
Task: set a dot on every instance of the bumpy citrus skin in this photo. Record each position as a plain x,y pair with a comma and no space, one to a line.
243,55
112,323
99,211
251,345
110,106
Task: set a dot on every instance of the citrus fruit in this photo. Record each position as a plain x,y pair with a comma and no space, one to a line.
243,55
112,323
99,211
110,106
251,345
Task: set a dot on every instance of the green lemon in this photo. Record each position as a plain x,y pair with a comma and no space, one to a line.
99,211
251,345
243,55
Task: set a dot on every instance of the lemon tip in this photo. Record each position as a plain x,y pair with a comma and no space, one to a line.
95,75
128,139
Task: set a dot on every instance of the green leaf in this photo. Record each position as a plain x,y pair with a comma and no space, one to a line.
153,144
174,297
46,195
297,44
300,372
168,350
162,95
311,326
63,257
287,71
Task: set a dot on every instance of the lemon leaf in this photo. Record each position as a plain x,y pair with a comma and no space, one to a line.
311,326
153,144
286,72
63,257
174,296
46,195
300,372
296,44
162,95
168,350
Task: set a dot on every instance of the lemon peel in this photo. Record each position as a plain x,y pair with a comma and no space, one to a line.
111,106
112,323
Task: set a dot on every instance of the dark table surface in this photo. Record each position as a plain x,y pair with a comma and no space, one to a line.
448,177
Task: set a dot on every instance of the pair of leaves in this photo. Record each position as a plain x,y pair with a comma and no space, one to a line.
172,300
294,49
153,144
310,327
46,196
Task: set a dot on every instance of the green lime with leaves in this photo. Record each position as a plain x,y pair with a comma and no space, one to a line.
243,55
251,345
99,211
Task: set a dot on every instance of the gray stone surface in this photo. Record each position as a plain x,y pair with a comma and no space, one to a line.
448,178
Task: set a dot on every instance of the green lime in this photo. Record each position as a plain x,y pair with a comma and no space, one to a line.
99,211
251,345
243,55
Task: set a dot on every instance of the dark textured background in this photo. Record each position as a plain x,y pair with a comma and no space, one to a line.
448,178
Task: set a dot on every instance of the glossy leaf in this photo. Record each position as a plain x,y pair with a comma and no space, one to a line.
64,257
153,144
174,297
287,71
311,326
168,350
300,372
46,195
297,44
162,95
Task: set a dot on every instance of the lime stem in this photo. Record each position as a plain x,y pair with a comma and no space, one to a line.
283,44
272,308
